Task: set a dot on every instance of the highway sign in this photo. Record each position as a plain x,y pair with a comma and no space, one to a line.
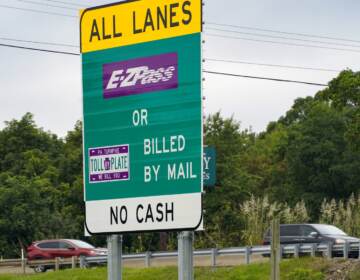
142,114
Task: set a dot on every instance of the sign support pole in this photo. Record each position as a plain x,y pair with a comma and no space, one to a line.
275,249
114,243
186,255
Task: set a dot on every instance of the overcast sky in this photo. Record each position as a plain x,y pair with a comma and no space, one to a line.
49,85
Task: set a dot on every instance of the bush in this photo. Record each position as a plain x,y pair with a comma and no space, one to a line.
343,214
259,212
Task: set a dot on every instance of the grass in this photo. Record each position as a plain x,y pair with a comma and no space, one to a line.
250,272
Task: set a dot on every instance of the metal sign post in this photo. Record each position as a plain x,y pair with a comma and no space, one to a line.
186,255
114,243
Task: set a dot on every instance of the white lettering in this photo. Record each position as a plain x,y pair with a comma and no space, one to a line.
147,174
115,78
206,161
181,143
147,146
144,117
156,172
135,74
149,171
164,145
171,172
140,117
181,171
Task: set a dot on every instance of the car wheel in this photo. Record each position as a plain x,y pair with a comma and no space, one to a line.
86,265
39,268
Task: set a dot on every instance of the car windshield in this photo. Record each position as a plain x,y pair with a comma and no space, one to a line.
329,230
82,244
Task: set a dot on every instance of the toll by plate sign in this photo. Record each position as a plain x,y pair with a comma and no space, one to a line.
109,164
141,65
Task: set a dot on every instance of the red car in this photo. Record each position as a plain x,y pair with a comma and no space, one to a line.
61,248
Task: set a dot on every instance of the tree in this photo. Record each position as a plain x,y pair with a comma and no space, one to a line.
24,146
234,184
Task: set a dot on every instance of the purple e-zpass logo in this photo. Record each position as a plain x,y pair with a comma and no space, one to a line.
140,75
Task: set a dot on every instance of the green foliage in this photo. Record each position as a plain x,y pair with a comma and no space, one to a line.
261,271
259,212
36,202
304,274
344,214
234,183
310,154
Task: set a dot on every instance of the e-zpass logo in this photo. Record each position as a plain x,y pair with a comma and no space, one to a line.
140,75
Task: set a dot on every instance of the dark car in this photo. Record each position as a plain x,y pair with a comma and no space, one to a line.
312,234
61,248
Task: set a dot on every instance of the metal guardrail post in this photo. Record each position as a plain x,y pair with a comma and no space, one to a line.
82,262
23,266
296,250
213,257
73,262
147,259
346,250
23,261
247,255
57,264
313,250
329,250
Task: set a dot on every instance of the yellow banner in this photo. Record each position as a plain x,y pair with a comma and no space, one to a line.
134,22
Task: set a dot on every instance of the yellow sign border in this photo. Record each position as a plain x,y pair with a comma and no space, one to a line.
130,39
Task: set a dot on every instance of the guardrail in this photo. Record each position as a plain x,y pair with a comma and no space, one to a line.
329,250
56,263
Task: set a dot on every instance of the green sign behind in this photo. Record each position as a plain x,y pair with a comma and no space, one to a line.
209,166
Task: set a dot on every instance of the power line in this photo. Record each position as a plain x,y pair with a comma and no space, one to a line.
66,3
264,78
207,59
281,43
38,42
271,65
206,71
38,49
46,5
284,32
36,11
285,38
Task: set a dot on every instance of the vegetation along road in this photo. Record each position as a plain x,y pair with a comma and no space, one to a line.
294,269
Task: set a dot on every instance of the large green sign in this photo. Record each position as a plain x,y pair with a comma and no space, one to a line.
143,136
